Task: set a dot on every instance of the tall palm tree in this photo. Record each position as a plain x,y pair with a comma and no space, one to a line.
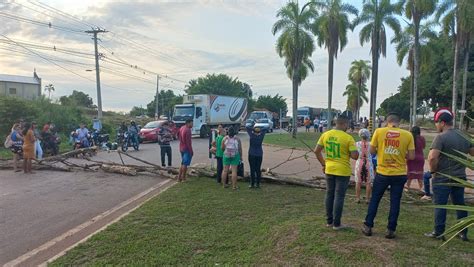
458,20
295,44
49,88
330,29
356,96
376,15
416,10
405,47
359,74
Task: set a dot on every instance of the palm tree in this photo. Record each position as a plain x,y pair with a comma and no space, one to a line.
376,14
295,44
405,47
330,29
356,96
49,88
458,20
416,10
359,74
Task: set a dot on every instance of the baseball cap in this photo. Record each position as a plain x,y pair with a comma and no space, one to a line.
443,114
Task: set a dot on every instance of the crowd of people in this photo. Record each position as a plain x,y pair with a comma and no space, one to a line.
399,158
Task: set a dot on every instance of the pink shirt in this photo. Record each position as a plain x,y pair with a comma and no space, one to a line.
184,136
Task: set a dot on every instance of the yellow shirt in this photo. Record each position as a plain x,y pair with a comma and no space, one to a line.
337,146
392,147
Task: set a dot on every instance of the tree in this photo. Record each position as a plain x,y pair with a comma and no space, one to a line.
295,44
166,102
138,111
49,88
272,103
398,102
406,46
330,29
356,96
416,10
77,98
359,74
219,84
376,15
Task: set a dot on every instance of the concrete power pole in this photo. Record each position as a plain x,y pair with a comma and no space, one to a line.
156,99
97,71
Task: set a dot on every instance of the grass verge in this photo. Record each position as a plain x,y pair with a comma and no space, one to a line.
199,223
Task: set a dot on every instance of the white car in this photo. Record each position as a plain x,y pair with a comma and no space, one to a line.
264,124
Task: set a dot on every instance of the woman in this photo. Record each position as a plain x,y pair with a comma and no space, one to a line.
38,148
415,167
255,155
364,171
219,152
28,147
232,154
17,147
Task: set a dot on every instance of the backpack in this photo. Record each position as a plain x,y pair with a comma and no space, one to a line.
8,141
231,147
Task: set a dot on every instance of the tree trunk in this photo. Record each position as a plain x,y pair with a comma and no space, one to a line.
373,84
330,78
358,100
412,79
455,77
464,79
416,63
294,124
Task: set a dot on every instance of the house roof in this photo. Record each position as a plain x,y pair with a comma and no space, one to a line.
18,79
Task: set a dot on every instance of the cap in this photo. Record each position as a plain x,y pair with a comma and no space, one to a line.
443,114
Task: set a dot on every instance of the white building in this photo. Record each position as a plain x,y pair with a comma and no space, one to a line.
20,86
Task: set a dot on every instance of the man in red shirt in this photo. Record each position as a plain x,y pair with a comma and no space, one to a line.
186,149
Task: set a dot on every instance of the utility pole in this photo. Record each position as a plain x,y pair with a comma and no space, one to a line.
156,99
97,70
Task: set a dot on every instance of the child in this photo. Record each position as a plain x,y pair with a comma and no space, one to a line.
364,170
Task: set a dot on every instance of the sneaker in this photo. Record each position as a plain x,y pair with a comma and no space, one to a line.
390,234
463,237
435,236
340,227
329,225
425,197
366,230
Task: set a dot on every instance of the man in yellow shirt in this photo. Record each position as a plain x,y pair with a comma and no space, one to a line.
339,147
393,147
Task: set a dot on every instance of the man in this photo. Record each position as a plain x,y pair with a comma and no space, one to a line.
81,135
133,131
219,152
339,148
164,139
449,141
393,147
316,124
186,149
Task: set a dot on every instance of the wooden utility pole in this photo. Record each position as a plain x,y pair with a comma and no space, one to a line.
97,70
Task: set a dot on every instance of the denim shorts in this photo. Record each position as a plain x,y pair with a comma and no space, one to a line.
186,158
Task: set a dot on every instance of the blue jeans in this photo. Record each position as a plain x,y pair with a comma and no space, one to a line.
426,183
441,195
336,187
381,183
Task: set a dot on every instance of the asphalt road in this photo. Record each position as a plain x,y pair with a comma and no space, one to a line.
37,208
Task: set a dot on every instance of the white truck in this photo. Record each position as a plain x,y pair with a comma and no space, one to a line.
208,111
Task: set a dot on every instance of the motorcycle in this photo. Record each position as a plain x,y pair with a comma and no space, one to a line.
129,140
100,140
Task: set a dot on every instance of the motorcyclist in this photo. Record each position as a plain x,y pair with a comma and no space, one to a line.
81,135
133,131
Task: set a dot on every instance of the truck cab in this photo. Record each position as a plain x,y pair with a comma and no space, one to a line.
197,113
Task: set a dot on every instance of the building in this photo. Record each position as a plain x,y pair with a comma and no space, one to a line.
20,86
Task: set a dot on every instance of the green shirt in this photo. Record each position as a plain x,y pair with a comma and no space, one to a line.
219,151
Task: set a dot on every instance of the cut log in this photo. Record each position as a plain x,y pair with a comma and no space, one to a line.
119,169
70,154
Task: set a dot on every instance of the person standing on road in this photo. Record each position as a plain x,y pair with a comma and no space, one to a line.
28,147
416,166
307,124
339,148
164,139
316,124
232,156
255,155
38,148
364,171
393,147
17,145
186,149
449,141
219,153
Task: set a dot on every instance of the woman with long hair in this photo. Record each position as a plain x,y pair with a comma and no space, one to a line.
17,146
415,167
232,155
364,170
28,147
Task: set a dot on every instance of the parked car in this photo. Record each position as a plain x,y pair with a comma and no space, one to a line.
249,123
150,131
264,124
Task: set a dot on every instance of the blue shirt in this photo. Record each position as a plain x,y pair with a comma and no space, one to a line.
81,134
255,148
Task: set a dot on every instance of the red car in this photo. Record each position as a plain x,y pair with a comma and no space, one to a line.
150,131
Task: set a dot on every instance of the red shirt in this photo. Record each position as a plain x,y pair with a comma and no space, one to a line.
184,136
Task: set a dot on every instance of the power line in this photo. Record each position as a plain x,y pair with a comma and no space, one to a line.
62,13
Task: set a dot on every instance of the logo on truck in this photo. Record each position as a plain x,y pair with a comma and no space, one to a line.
237,108
219,107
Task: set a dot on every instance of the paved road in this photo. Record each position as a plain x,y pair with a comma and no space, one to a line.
37,208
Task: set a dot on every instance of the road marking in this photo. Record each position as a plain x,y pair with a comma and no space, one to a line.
31,254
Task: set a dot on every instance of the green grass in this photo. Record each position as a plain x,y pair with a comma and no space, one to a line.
285,140
199,223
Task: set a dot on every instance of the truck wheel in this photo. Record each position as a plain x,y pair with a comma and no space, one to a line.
204,132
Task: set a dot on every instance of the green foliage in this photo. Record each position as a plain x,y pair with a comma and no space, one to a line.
137,111
272,103
77,98
399,102
12,109
218,84
166,102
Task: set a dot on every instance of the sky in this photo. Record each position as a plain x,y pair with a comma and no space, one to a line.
180,40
